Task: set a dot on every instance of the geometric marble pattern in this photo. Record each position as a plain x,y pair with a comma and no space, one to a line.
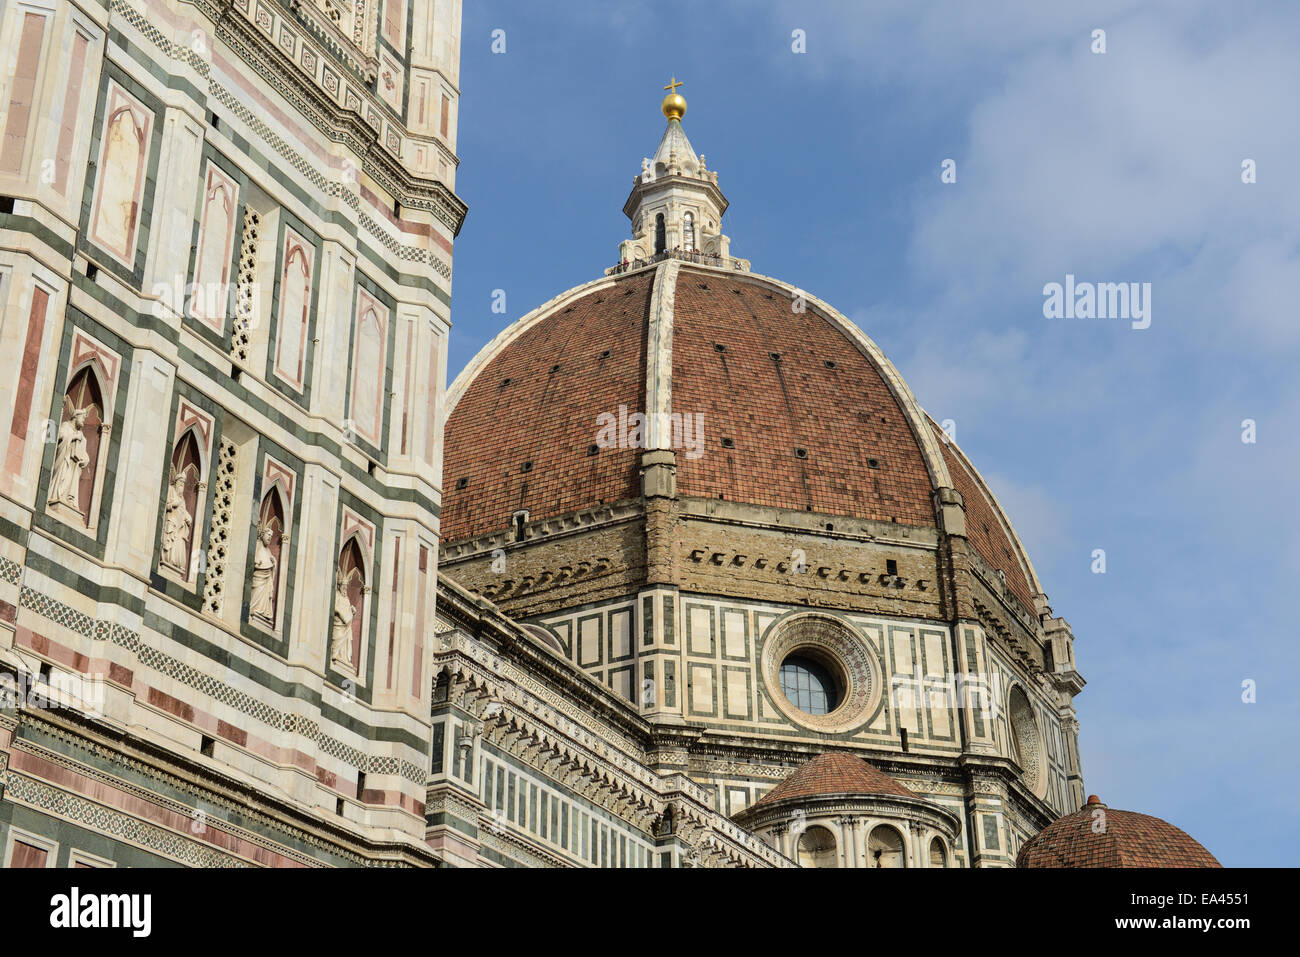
161,662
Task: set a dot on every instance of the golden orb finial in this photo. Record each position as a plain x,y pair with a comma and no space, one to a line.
674,104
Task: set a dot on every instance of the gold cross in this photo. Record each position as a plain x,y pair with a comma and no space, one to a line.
673,84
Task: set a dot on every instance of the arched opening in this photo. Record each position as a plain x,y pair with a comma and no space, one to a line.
938,853
264,598
688,232
1026,745
661,234
885,848
76,454
181,505
817,847
349,608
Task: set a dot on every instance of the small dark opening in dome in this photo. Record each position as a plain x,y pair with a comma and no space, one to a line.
873,463
801,453
728,443
462,483
830,363
506,381
774,356
556,367
593,449
704,285
719,347
605,354
527,467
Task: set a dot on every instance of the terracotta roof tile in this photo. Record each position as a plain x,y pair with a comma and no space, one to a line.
522,409
1126,839
833,774
821,395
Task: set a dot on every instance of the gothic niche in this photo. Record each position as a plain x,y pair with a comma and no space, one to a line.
267,552
180,505
76,456
349,609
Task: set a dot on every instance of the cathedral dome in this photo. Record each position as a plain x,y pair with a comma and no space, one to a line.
778,400
1097,836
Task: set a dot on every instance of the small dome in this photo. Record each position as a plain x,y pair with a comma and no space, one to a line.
1097,836
833,774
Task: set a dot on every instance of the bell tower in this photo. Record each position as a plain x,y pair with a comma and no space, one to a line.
675,205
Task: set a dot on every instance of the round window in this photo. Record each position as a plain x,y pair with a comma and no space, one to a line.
820,672
809,686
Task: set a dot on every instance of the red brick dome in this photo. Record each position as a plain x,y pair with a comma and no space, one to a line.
833,774
1098,836
799,410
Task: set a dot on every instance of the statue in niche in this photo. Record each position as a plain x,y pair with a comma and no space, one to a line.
177,523
341,629
70,458
262,602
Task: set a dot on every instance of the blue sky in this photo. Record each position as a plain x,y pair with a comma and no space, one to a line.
1123,166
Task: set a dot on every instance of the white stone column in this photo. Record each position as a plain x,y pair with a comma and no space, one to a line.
333,332
315,567
142,458
174,200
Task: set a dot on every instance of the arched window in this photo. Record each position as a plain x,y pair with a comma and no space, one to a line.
885,848
180,506
938,855
817,847
76,454
688,232
661,235
268,551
